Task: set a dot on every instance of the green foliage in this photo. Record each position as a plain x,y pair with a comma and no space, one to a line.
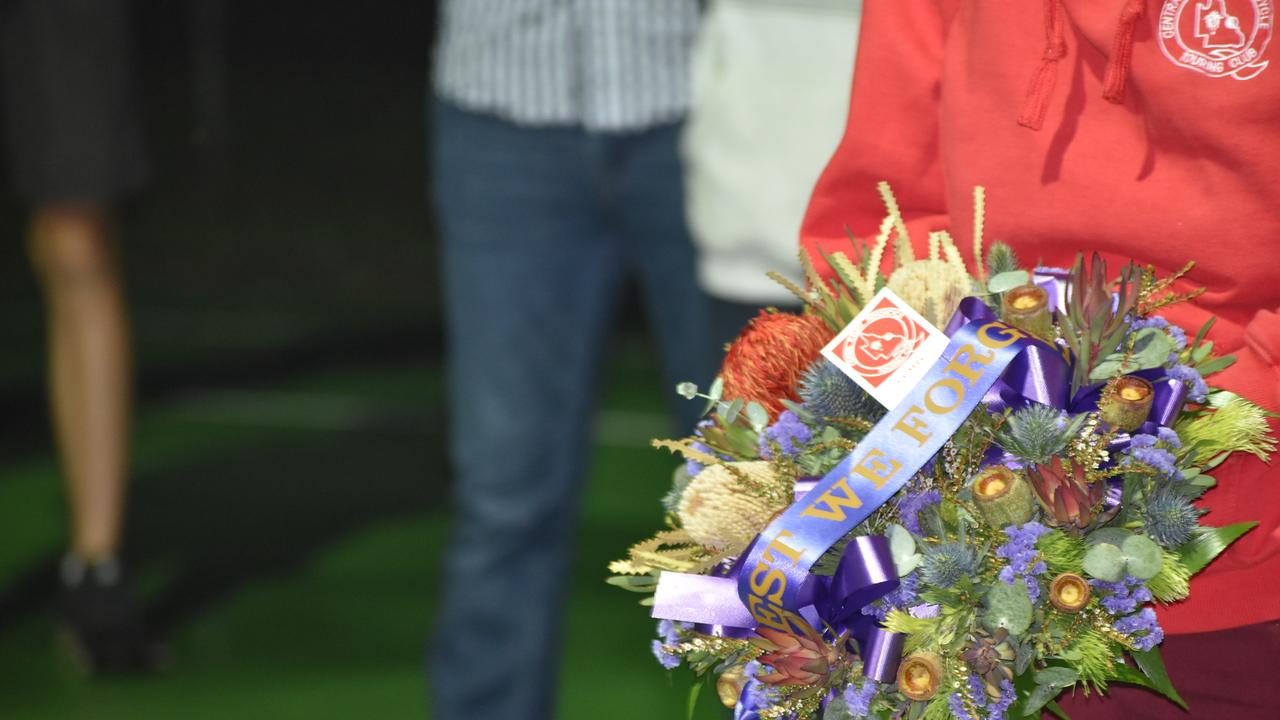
1008,607
1235,425
1001,259
1208,542
1172,583
1137,556
1049,682
1153,667
1037,432
1151,348
1095,321
1061,552
1092,655
1006,281
938,709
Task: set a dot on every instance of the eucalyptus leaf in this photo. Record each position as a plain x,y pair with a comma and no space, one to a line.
716,391
1006,281
731,413
1110,535
1049,682
1104,561
1142,557
1208,542
903,549
1056,711
1008,607
758,416
687,390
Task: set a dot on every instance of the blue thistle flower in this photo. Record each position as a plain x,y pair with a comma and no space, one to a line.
1169,517
946,563
828,392
1035,433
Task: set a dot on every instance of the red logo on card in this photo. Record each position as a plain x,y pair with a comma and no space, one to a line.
881,341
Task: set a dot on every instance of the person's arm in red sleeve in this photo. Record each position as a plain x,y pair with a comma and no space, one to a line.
891,134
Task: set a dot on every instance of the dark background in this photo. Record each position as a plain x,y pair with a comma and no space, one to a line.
289,502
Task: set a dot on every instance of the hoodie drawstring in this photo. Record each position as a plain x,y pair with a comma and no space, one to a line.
1122,51
1036,104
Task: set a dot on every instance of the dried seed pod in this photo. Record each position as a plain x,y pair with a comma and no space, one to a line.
1069,592
1027,308
1126,402
1003,496
920,675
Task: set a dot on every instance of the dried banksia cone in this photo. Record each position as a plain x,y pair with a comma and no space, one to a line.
1126,402
724,506
1069,593
920,675
1003,496
1027,308
766,361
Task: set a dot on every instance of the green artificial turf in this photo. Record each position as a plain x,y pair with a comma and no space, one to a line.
292,532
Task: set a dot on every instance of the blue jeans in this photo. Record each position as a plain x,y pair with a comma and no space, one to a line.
540,227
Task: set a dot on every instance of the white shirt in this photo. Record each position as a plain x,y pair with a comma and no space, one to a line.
771,84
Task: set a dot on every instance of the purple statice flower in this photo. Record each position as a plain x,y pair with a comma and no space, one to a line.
1197,390
755,696
668,634
901,597
996,709
956,704
1024,560
665,659
1144,621
1179,336
1169,437
924,610
858,699
1154,321
1156,457
1123,597
789,432
909,508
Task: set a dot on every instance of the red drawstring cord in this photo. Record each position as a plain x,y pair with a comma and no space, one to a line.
1036,103
1122,51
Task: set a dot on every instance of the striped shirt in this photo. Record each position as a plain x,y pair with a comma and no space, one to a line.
606,65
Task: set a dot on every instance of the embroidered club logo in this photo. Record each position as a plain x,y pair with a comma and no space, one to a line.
1220,38
881,342
886,347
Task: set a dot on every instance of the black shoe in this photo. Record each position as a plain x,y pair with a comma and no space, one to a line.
104,624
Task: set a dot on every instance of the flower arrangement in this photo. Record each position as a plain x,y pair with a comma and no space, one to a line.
828,557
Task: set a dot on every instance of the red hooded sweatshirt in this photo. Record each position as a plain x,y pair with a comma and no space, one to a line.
1144,130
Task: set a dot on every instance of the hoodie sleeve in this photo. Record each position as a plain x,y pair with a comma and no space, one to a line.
891,132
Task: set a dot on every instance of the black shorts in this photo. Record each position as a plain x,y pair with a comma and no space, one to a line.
71,101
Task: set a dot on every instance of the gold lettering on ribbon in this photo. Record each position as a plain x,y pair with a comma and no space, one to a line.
876,470
792,553
913,426
835,503
968,369
956,389
1011,335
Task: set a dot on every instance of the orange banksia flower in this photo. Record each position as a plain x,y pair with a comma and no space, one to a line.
766,361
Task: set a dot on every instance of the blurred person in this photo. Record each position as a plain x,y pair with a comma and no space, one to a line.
555,173
1118,127
75,148
770,87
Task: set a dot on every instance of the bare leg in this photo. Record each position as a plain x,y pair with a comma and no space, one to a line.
90,385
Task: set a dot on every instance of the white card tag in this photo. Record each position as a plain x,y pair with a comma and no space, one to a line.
887,348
